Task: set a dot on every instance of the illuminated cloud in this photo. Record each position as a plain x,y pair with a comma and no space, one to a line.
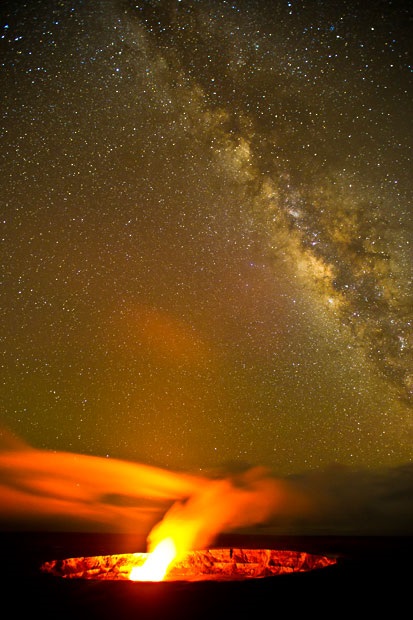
42,489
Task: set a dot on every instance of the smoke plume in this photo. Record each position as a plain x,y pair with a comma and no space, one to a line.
64,491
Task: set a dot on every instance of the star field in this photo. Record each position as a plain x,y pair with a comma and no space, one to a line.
207,231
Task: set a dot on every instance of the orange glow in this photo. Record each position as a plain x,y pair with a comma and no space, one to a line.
87,492
223,504
52,489
165,336
216,564
157,563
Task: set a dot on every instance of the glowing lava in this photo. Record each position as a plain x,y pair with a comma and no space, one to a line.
216,564
156,565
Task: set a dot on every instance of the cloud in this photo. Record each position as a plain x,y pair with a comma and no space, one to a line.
365,502
52,490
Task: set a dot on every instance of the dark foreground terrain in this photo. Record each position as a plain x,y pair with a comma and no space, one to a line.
372,575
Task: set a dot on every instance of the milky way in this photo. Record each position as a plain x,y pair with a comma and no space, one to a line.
207,245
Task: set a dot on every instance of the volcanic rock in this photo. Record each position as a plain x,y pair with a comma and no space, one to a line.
212,564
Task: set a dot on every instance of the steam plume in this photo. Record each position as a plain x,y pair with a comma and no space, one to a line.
51,490
228,504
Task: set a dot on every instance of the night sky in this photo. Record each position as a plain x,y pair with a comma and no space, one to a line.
207,231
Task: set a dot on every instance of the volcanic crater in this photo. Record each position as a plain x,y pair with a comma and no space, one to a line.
217,564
